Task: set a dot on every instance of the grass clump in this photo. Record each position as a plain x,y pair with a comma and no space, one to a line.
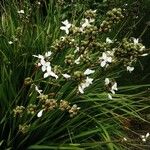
58,85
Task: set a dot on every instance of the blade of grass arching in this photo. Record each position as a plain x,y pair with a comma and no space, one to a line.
107,138
57,131
23,141
132,87
43,147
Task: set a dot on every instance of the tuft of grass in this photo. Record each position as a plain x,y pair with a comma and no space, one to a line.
100,124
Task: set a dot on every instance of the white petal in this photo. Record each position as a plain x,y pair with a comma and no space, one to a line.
142,136
10,42
21,11
47,64
46,75
42,62
63,28
130,69
49,68
85,24
53,74
91,20
65,22
109,59
77,61
147,135
66,76
144,140
144,54
39,56
136,41
67,31
40,113
80,89
43,68
107,81
108,40
114,87
88,71
142,48
112,91
103,63
48,54
104,56
37,89
76,50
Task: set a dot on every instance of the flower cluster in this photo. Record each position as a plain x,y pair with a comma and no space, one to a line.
31,109
24,128
18,111
65,105
75,61
51,104
113,16
129,51
46,65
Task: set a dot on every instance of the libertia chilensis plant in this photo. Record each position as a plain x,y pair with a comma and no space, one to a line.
71,94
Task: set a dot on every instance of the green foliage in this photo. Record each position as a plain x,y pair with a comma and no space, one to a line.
100,123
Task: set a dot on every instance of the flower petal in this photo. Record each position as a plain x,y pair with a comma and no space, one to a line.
40,113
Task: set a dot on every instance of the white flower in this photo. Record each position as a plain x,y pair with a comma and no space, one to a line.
85,84
144,137
88,81
40,113
66,76
108,40
66,26
147,135
144,54
135,41
91,20
107,81
88,71
48,54
39,56
77,61
10,42
76,50
124,139
104,60
114,88
44,64
130,69
20,11
50,73
81,89
86,23
38,90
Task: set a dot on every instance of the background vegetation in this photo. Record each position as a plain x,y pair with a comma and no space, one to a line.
101,123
